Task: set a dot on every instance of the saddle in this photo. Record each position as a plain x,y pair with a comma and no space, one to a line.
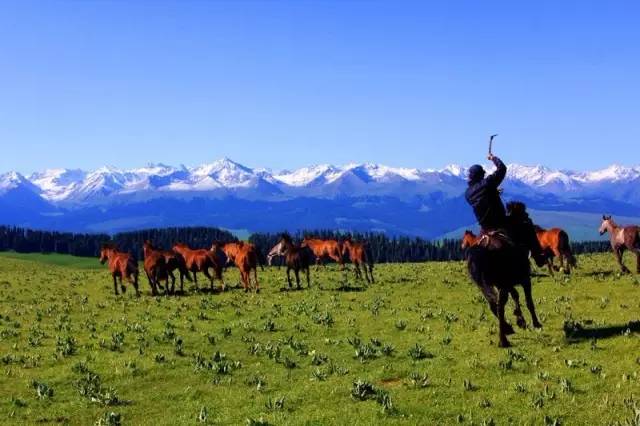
495,240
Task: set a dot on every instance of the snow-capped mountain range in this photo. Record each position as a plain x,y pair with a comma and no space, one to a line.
63,193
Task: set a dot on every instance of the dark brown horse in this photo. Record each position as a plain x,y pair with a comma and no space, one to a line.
121,265
503,263
200,260
323,249
155,266
359,254
174,261
245,256
555,241
622,238
297,258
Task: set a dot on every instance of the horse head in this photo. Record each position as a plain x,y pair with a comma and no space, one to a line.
106,250
468,239
606,225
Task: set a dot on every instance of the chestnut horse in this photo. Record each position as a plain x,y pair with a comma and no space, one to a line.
155,266
556,241
175,261
121,265
245,256
622,238
200,260
323,249
360,256
469,239
297,258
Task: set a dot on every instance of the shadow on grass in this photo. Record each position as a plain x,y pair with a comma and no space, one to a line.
598,273
348,289
575,331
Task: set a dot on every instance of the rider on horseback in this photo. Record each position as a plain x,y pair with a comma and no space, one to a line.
497,228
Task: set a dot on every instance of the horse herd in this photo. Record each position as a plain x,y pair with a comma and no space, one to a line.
500,271
161,265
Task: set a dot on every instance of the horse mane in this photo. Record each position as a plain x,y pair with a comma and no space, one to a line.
517,209
538,228
469,232
109,245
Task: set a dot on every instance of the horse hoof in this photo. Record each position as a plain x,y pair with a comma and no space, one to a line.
504,344
521,323
257,290
509,330
537,325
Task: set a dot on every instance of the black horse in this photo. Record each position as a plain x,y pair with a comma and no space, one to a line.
502,262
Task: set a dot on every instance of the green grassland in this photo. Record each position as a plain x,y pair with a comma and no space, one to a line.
421,341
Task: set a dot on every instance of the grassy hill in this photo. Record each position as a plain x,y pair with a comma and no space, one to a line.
422,337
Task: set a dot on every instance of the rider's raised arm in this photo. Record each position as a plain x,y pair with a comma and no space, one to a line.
496,178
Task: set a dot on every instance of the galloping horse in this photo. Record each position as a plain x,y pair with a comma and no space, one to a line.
245,256
360,256
200,260
155,266
556,241
622,238
323,249
297,258
121,265
502,264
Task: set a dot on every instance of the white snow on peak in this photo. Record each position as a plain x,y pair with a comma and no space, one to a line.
64,185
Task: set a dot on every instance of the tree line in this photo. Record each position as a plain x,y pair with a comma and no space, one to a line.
383,248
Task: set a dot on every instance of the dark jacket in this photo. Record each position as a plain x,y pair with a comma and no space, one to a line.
485,199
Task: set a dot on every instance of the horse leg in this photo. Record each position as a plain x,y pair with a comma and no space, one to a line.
195,280
297,272
503,297
619,258
206,273
356,268
550,265
518,310
135,284
526,286
115,283
309,279
366,273
289,276
151,284
317,264
492,299
122,287
255,278
244,275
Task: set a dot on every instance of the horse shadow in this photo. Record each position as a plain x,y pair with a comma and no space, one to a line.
598,273
578,333
349,289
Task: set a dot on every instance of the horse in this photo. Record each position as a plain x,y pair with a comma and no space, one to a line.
296,257
155,266
174,261
323,249
360,256
500,262
245,256
200,260
469,239
622,238
121,265
556,241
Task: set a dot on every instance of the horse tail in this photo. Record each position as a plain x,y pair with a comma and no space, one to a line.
564,246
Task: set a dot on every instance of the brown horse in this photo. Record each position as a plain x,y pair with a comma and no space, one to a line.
469,239
323,249
174,261
360,256
245,256
200,260
556,241
155,266
622,238
121,265
297,258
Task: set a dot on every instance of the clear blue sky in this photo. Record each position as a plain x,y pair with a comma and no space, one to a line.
285,84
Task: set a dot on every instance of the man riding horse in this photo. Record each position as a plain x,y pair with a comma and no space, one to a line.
500,259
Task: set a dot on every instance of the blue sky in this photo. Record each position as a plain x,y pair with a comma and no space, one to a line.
285,84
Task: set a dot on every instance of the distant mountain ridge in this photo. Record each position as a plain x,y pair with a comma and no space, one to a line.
365,196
